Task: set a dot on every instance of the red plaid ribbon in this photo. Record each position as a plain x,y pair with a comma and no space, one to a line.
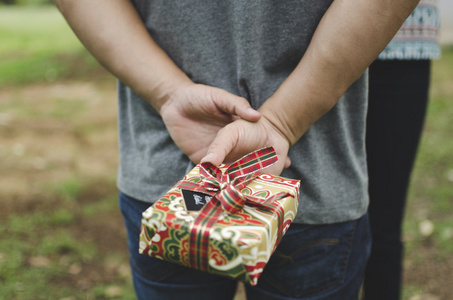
225,187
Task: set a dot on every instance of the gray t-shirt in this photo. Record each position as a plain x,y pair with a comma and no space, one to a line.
247,48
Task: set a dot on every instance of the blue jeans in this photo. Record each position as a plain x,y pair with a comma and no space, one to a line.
312,262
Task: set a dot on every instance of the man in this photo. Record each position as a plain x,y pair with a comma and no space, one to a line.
189,73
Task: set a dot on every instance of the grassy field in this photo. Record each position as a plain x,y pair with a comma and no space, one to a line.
61,233
428,228
37,47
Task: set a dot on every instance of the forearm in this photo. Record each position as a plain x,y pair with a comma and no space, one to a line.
114,33
350,36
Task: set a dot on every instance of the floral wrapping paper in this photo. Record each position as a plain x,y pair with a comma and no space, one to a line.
239,244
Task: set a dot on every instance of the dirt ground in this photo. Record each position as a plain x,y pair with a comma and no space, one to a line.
59,141
59,133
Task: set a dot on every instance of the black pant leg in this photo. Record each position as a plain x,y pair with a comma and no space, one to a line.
398,97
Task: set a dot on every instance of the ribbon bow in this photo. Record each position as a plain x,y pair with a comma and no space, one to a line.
225,187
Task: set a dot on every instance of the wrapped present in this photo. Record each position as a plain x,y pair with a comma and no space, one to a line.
224,220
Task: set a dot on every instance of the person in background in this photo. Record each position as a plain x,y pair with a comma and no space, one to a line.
215,80
398,94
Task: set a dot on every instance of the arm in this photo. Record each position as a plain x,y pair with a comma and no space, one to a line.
349,37
114,33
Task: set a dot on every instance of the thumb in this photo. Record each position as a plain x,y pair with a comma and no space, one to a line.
235,105
223,144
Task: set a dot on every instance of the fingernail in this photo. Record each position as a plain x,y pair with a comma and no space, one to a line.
209,157
251,111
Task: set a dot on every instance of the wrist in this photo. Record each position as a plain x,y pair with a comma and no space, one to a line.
165,92
277,123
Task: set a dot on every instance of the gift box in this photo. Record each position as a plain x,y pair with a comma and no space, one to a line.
224,220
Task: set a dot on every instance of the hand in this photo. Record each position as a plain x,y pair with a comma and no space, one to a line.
242,137
195,113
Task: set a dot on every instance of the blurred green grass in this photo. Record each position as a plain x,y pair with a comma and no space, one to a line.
41,251
428,226
38,46
42,258
431,192
54,246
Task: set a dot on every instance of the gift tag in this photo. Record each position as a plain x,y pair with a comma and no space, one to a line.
195,200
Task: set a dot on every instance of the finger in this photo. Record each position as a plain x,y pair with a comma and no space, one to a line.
287,162
222,145
246,112
234,105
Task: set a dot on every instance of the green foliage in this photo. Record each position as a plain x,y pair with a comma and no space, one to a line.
108,204
61,217
431,191
444,237
69,189
38,46
37,251
63,243
25,2
114,292
43,250
24,273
